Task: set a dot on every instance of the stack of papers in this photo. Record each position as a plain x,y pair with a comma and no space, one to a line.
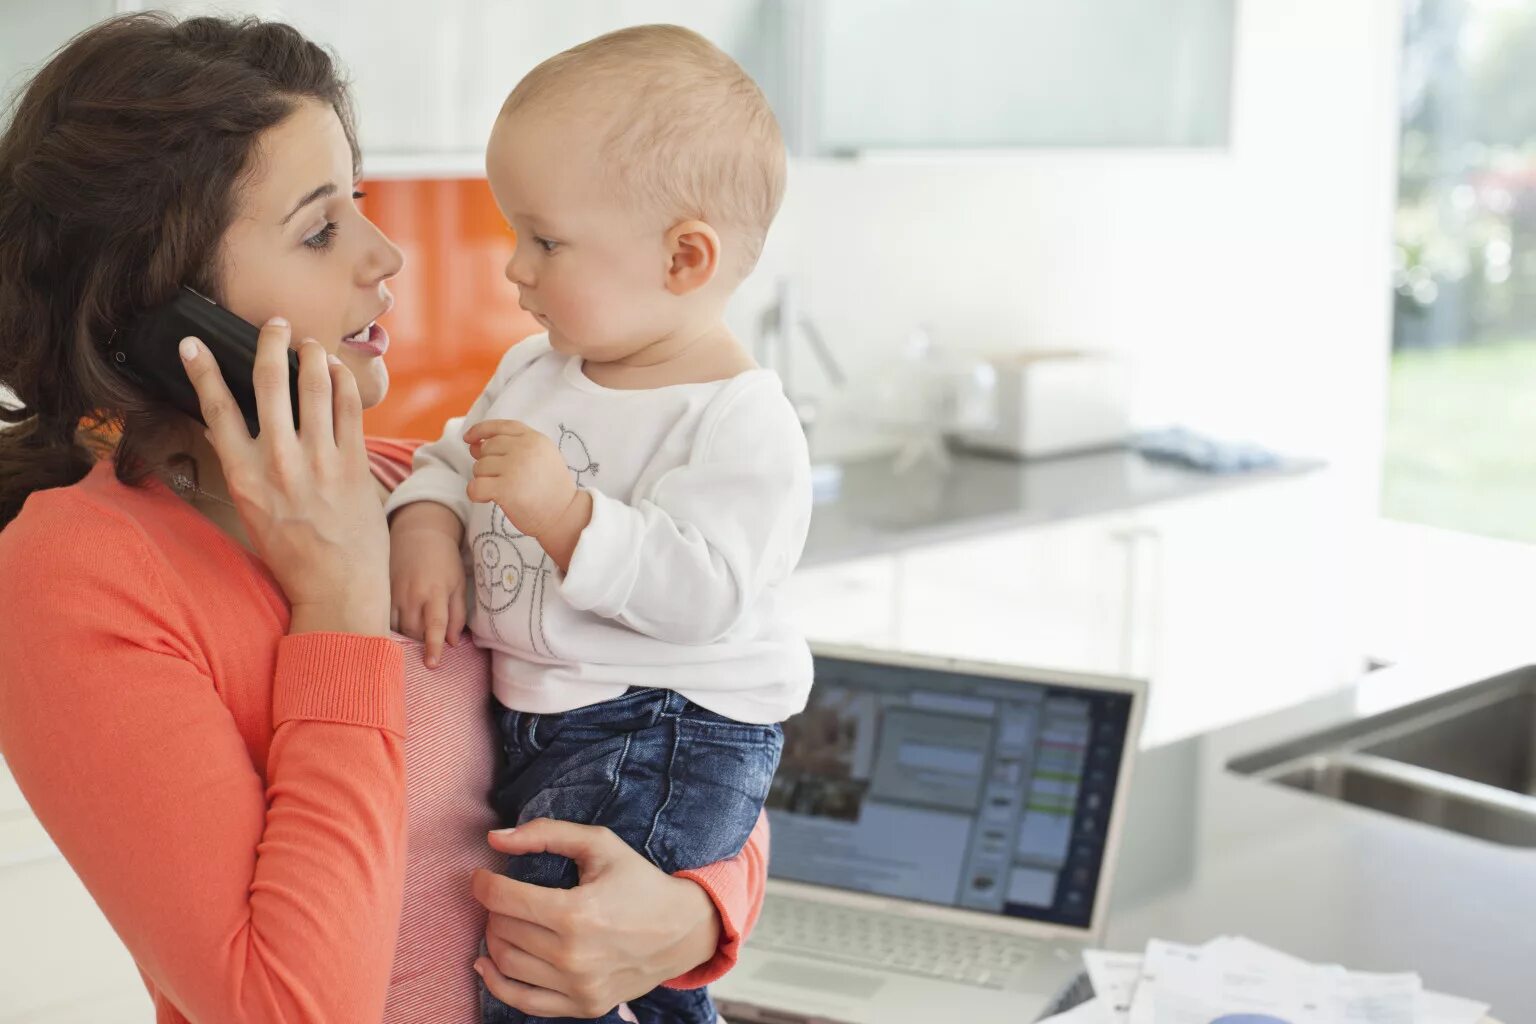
1238,981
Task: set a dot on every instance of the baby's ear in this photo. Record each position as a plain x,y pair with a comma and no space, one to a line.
693,253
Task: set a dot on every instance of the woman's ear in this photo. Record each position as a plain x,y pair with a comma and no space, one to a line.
693,256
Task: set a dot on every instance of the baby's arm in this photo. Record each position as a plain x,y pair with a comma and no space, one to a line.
427,515
687,565
426,575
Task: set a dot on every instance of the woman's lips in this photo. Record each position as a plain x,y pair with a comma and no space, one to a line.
376,345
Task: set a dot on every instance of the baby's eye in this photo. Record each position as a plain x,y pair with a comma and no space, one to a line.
548,245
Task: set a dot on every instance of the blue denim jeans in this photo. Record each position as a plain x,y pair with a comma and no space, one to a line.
682,785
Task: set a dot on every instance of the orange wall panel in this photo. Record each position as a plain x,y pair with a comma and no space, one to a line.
455,312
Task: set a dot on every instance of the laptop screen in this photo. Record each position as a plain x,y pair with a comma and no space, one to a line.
970,791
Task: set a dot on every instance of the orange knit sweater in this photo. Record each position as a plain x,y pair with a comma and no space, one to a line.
234,798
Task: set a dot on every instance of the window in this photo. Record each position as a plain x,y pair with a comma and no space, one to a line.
1461,436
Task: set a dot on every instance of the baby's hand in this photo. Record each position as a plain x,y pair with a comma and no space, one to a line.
521,470
426,576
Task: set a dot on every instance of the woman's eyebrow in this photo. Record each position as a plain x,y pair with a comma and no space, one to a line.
328,189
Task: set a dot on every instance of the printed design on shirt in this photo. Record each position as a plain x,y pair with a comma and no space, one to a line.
511,569
577,459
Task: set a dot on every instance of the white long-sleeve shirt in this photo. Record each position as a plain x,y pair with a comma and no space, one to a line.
700,504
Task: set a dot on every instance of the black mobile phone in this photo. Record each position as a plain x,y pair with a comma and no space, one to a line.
146,351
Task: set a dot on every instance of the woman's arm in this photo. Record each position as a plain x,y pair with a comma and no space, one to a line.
245,895
624,930
736,888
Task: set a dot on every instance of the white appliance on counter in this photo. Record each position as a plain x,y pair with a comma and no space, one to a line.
1053,403
944,836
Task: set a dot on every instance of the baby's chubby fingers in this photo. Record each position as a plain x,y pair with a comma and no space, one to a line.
483,431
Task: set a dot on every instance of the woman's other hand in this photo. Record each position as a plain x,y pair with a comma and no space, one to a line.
625,929
305,496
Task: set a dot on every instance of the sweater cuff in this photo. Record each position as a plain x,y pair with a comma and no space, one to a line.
340,677
590,581
736,888
437,484
729,951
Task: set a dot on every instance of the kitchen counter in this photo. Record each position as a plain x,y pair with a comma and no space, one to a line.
1209,852
877,511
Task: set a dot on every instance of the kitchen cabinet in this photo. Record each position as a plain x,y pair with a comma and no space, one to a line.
1229,604
1061,596
1252,604
1029,73
428,83
853,602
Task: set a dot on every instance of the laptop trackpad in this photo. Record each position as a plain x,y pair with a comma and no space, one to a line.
843,983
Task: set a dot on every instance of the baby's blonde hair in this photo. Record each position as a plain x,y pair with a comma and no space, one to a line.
687,131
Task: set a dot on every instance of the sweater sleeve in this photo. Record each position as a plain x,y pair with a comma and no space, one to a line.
736,887
244,895
441,469
688,563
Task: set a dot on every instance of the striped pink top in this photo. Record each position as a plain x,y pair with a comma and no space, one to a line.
448,770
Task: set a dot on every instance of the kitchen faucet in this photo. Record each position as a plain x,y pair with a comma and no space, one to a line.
774,348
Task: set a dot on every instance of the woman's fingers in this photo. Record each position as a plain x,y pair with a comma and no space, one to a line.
347,411
592,847
536,1002
226,426
521,965
521,900
315,396
529,936
269,379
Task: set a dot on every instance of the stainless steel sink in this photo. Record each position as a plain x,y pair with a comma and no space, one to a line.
1464,761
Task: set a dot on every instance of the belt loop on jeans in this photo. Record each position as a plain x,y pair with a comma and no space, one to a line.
673,704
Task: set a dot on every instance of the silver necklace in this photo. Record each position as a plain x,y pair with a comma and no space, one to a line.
183,484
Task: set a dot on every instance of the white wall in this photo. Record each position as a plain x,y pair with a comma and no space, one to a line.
1250,286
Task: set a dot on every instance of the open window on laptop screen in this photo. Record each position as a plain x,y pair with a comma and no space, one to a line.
965,790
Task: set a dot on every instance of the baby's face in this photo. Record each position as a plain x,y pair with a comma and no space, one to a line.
589,267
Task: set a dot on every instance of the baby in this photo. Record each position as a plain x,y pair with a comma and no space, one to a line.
630,489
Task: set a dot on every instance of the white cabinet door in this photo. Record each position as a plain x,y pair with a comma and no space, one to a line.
1229,604
1058,596
429,79
1251,601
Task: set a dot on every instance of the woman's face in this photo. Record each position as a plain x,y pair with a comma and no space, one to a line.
298,247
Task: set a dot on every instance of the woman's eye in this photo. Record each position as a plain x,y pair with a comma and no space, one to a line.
322,239
359,194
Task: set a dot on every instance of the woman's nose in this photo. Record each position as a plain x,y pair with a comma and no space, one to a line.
384,258
392,260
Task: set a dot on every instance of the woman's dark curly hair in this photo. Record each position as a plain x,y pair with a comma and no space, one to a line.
120,170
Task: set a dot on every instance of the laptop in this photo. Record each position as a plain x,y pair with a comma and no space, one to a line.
944,837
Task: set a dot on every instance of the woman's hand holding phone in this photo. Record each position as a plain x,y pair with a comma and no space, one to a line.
305,495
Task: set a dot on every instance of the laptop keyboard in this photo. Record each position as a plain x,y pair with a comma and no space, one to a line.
863,938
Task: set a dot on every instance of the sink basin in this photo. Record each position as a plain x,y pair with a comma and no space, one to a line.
1464,761
1489,739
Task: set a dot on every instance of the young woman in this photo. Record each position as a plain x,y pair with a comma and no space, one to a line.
200,696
